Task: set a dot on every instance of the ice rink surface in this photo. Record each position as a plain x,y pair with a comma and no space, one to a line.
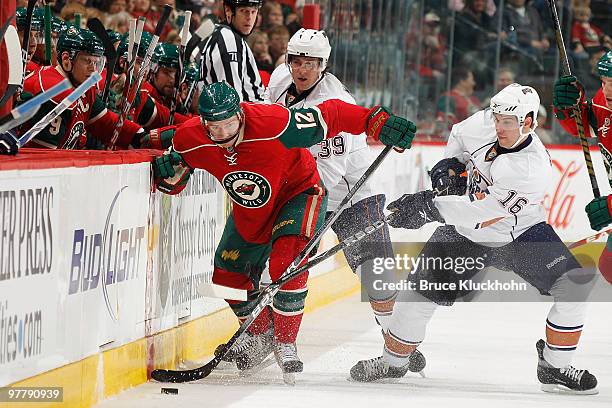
478,355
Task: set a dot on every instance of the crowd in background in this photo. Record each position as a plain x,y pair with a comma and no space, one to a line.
459,51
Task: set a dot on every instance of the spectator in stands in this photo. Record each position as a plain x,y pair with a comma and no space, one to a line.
258,41
459,5
278,38
460,102
116,6
505,77
586,34
69,10
591,79
119,22
524,27
271,14
140,7
294,19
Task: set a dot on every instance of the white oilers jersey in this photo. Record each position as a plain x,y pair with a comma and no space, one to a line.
506,187
341,160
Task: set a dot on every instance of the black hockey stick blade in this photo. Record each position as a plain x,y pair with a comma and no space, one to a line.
181,376
98,29
5,26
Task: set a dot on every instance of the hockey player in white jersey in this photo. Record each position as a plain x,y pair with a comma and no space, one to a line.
499,219
301,82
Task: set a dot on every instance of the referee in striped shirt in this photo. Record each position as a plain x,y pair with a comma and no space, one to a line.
226,55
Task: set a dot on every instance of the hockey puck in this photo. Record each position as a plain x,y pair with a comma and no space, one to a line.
165,390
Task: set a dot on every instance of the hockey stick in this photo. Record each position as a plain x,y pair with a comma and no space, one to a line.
5,26
26,35
239,294
142,72
266,296
179,76
47,8
565,69
26,110
15,76
61,107
203,32
98,29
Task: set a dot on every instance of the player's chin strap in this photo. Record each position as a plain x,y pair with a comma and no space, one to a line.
523,136
229,139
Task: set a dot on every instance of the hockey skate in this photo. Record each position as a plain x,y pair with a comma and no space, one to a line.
563,380
250,351
288,361
376,368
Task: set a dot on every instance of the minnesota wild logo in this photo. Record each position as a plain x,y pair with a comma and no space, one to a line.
247,189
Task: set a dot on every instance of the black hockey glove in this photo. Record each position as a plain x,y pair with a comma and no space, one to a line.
449,177
412,211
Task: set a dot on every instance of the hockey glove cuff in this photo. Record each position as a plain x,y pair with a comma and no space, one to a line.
598,211
391,130
160,139
412,211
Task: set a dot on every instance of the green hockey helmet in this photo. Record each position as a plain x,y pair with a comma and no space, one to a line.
604,66
218,101
74,40
113,35
56,22
37,19
145,41
243,3
166,55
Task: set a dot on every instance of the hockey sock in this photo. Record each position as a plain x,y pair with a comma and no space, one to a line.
382,301
565,320
288,304
407,328
243,309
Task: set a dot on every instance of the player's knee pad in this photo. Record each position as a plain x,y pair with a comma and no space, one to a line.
291,302
574,285
410,318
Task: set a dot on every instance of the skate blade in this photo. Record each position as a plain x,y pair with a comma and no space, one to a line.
289,378
560,389
422,373
267,362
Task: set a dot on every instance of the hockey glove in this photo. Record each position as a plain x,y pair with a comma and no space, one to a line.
449,177
158,138
598,211
8,144
171,173
567,92
412,211
391,130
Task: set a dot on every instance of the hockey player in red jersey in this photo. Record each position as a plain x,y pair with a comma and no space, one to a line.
597,118
278,199
150,108
79,55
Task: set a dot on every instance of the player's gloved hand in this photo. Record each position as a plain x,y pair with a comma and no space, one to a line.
598,211
412,211
171,172
158,138
8,144
449,177
391,130
567,92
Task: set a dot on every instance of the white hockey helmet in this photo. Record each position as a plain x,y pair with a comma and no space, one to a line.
517,100
310,43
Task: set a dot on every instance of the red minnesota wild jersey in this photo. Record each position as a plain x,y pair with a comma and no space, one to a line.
88,115
597,122
151,112
268,165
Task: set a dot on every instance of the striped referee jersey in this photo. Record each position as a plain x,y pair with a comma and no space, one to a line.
227,57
